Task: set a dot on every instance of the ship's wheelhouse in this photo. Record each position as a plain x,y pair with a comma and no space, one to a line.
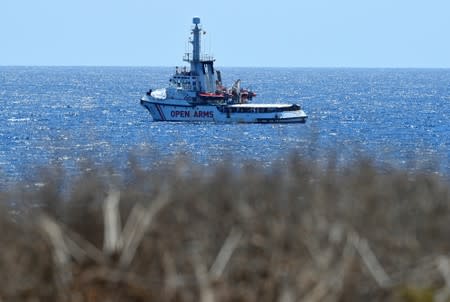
184,81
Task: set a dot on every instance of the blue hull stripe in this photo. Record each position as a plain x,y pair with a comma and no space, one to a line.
160,112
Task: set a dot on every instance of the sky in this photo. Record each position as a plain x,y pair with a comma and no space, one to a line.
275,33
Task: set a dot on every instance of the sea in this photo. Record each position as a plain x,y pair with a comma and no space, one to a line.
68,116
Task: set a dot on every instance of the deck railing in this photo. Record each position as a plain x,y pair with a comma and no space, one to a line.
188,57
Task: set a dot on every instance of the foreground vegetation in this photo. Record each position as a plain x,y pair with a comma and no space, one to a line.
294,232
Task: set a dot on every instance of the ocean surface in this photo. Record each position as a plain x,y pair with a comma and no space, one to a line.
65,115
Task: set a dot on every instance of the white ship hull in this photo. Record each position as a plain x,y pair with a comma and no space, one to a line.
181,111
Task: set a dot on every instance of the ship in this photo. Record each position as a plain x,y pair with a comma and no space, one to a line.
198,95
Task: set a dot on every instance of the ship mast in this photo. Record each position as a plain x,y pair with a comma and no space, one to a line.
202,67
196,41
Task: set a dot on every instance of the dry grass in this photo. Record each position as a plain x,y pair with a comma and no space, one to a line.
295,232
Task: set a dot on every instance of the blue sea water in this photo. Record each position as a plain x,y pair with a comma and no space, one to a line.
67,114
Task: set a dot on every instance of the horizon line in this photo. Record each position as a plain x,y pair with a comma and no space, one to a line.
225,66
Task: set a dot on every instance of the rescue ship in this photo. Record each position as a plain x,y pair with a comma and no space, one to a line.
197,94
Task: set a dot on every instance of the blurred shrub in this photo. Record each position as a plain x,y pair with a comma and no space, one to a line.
185,232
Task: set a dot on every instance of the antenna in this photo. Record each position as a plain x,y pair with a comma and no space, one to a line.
209,40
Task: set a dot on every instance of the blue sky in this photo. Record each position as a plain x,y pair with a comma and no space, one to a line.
292,33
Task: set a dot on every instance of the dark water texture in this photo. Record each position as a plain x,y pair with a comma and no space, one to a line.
67,114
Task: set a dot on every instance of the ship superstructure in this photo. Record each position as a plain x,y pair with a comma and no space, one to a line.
197,94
